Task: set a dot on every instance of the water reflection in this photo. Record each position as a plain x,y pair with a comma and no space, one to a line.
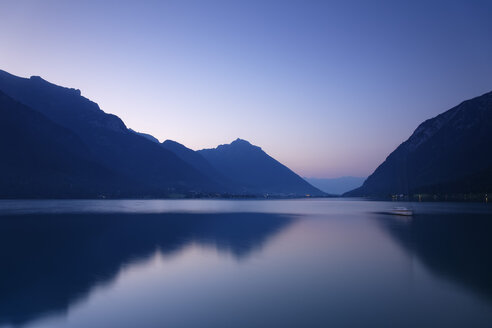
51,261
454,246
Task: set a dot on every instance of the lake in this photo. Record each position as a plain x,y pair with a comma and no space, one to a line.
244,263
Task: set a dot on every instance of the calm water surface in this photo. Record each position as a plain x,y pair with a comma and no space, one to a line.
211,263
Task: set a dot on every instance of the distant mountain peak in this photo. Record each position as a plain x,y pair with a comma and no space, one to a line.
240,141
237,145
240,144
249,167
172,142
38,79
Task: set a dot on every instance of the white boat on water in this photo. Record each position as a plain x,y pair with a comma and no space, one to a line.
401,211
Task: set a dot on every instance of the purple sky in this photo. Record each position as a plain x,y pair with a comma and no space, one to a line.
329,88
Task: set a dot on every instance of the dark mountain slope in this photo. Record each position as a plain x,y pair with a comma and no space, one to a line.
145,135
111,144
255,171
42,159
449,153
196,160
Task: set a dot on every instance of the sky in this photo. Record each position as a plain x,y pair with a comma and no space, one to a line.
329,88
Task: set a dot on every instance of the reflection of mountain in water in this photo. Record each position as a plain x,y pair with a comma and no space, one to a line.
50,261
456,246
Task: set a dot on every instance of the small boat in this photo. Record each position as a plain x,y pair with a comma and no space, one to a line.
401,211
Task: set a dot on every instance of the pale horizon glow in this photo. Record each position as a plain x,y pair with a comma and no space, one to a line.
327,88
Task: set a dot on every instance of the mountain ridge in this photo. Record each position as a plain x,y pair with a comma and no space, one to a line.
449,147
250,167
58,163
157,169
107,137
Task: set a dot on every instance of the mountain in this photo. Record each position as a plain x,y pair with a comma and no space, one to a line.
197,160
43,159
60,144
336,186
146,136
254,171
450,153
106,137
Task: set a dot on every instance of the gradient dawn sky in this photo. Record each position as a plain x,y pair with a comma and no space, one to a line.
329,88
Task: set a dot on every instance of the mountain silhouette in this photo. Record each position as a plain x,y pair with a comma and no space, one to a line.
196,160
255,171
146,136
90,153
450,153
110,143
43,159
